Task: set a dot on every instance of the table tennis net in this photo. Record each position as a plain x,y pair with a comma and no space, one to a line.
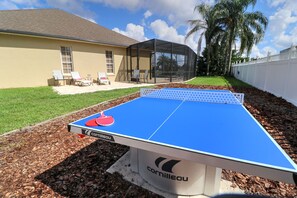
221,97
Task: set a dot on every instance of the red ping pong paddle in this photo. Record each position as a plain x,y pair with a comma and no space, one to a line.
81,135
91,123
104,120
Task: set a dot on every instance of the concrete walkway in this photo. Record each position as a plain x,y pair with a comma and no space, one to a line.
72,89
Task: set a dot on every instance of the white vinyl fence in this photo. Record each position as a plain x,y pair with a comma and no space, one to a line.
275,74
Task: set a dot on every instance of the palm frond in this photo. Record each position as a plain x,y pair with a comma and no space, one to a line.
199,43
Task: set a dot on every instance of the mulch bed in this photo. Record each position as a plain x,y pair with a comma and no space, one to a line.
48,161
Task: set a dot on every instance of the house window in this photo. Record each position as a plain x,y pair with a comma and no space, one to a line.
66,59
109,61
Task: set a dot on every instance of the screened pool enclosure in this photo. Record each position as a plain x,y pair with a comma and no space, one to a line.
162,61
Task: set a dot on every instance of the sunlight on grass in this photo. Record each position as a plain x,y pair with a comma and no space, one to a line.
209,80
22,107
217,81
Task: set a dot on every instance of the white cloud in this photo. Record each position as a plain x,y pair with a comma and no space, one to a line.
89,19
165,32
192,43
17,4
177,11
75,7
282,22
285,40
147,14
256,52
8,5
275,3
128,4
25,2
261,53
133,31
169,33
192,40
269,49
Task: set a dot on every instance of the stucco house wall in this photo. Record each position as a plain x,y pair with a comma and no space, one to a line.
28,61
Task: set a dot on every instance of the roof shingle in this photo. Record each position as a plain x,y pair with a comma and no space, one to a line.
59,24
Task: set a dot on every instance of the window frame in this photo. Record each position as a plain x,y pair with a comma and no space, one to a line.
66,62
109,63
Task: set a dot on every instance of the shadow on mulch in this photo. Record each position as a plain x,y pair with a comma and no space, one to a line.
83,174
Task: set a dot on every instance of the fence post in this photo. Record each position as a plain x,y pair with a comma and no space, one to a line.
266,70
268,56
265,81
292,50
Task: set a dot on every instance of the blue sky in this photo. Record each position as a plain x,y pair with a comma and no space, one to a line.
167,19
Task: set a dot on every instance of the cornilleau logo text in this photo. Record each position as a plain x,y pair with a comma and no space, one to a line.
167,167
97,135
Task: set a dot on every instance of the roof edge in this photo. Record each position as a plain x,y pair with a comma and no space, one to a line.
58,37
154,40
29,9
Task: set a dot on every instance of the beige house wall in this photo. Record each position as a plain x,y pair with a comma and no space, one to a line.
144,62
29,61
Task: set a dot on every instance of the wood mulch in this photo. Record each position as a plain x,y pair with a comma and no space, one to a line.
47,161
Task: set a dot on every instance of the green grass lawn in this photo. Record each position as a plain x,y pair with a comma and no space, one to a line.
217,81
22,107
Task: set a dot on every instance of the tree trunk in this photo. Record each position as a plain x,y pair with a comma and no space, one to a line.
228,66
226,59
208,59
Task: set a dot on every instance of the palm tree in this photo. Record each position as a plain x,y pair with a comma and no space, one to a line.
249,28
209,28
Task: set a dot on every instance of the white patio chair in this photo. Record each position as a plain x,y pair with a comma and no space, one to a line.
58,75
145,76
102,78
135,76
79,80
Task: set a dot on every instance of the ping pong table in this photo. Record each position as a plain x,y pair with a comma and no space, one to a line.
203,127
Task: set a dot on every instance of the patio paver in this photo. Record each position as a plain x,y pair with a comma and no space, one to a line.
72,89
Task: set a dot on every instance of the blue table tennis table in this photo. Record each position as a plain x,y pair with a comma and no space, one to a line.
210,127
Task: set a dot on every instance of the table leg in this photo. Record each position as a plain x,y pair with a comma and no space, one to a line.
134,159
177,176
212,181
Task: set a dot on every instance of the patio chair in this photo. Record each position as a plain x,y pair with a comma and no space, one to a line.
145,76
58,75
135,76
102,78
79,80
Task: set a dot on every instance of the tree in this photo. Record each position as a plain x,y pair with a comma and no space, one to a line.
209,27
248,28
237,57
166,64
